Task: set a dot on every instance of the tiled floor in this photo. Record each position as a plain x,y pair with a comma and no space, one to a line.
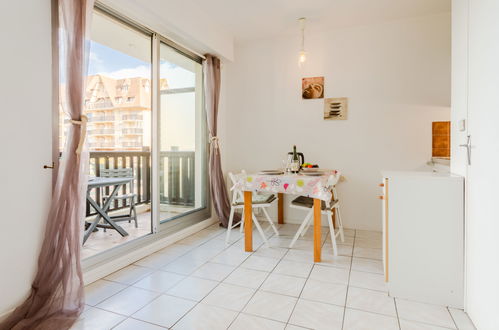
101,240
199,283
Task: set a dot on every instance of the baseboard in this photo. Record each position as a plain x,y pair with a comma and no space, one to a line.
100,271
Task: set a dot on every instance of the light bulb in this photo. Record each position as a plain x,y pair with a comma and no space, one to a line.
302,58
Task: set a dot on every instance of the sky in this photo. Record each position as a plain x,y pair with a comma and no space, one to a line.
115,64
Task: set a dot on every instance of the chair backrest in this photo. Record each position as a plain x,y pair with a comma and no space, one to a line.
236,193
126,172
117,172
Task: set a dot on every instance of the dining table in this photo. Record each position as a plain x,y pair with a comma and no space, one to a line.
102,211
313,184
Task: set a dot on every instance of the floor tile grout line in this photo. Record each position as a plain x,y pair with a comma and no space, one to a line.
220,282
452,317
256,290
162,293
348,285
397,313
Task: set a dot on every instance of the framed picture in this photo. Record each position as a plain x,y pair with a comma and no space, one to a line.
335,108
312,88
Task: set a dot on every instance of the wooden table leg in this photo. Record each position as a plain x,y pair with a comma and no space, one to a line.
280,208
317,230
248,222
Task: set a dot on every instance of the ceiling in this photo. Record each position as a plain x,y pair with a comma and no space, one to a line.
254,19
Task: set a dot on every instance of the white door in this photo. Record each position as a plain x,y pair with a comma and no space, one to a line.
476,76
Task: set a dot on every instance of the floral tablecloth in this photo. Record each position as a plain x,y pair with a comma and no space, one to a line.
296,184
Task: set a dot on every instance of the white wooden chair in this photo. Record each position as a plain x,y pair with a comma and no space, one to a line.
262,201
307,203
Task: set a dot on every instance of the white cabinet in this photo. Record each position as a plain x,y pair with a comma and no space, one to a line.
423,236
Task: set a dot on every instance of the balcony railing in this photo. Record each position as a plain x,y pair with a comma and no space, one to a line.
107,131
132,131
176,176
132,117
101,118
99,105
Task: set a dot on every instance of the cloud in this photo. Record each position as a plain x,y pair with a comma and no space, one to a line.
140,71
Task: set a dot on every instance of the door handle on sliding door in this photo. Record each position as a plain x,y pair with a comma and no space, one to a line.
468,148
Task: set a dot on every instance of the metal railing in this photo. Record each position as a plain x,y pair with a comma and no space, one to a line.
176,171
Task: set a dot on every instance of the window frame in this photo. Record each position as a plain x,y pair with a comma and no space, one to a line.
159,231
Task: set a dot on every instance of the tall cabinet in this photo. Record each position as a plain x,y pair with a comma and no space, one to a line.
423,236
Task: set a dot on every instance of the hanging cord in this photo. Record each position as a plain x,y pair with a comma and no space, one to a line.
215,141
83,126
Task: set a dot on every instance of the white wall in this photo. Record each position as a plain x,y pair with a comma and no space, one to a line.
396,76
25,142
181,21
477,49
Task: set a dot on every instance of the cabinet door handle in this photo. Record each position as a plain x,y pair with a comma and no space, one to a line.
381,185
381,197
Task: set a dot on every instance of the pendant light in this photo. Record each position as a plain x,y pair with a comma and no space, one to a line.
302,55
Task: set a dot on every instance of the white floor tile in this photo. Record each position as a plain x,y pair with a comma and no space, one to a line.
330,293
360,320
246,277
316,315
304,256
419,312
368,234
283,284
293,268
183,266
100,290
132,324
368,281
251,322
231,257
207,318
371,301
128,301
129,274
368,253
260,263
330,274
165,310
295,327
213,271
193,288
373,243
97,319
156,260
411,325
270,252
229,296
270,305
367,265
159,281
328,259
461,319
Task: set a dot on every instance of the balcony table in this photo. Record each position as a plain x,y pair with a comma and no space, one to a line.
316,187
98,182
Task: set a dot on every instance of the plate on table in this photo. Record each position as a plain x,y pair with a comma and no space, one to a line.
271,172
310,170
316,173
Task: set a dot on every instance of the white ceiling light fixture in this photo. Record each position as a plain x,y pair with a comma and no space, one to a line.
303,54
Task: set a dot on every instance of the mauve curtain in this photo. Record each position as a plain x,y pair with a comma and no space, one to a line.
56,297
218,188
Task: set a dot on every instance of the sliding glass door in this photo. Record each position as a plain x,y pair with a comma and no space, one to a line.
182,135
153,153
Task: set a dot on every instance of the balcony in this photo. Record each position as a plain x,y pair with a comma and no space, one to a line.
102,119
177,192
102,131
132,117
99,105
132,131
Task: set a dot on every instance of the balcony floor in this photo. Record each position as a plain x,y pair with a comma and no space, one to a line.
101,241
